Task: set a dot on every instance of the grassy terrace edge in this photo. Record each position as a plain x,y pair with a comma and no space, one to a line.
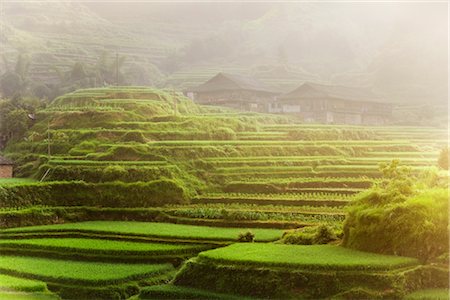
150,229
315,257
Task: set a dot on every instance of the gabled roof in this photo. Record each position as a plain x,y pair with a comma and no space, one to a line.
4,161
226,82
315,90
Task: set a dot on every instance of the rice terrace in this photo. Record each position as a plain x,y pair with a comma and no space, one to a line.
203,184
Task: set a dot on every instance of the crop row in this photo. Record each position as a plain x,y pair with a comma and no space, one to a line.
21,284
286,196
256,215
100,246
147,229
84,162
78,272
275,201
317,257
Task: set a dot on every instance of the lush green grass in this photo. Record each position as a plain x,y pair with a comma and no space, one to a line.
21,284
15,181
160,230
327,257
27,296
78,271
431,294
99,245
285,196
105,162
169,291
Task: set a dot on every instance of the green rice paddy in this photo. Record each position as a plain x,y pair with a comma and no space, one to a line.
77,271
317,257
161,230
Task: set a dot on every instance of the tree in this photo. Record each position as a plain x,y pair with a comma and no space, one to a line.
443,159
15,123
78,72
11,84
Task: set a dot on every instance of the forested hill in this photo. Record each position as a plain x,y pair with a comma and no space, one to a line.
180,45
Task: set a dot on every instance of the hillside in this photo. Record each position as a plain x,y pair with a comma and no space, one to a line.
220,157
141,187
179,46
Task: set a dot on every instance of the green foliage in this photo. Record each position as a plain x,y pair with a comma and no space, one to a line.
99,246
429,294
321,234
396,217
133,136
246,237
315,257
8,295
169,291
162,230
79,272
21,284
79,193
224,133
289,271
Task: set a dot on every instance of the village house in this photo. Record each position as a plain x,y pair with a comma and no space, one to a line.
6,168
319,103
235,91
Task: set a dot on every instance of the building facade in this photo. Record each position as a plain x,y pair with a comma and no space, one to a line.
317,103
6,168
234,91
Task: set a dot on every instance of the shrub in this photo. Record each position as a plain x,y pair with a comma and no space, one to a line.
224,133
311,235
246,237
398,217
111,173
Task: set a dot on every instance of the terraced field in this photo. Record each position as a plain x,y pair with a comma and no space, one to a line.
139,180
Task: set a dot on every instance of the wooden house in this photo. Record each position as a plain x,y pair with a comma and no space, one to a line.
318,103
6,168
235,91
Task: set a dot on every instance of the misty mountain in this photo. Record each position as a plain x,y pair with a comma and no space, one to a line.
371,45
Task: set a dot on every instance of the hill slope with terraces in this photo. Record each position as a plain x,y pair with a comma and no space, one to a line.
120,186
228,163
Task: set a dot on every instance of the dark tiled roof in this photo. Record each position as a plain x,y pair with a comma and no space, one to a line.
315,90
5,161
225,81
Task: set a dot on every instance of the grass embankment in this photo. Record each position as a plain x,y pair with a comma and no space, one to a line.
301,272
169,291
315,257
15,181
21,284
149,229
100,246
11,295
430,294
78,272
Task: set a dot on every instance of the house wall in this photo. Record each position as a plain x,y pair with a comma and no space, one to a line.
243,100
336,111
6,171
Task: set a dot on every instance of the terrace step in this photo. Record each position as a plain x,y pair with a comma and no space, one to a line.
273,201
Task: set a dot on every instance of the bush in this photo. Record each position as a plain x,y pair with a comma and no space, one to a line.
224,133
397,217
311,235
246,237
